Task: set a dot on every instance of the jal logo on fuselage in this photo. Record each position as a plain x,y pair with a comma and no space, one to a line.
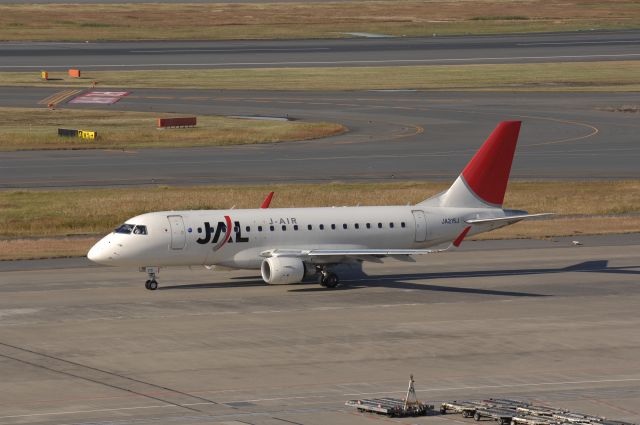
221,232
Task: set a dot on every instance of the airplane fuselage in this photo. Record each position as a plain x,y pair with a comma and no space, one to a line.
236,238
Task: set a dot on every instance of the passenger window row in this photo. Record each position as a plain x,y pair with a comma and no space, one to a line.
322,227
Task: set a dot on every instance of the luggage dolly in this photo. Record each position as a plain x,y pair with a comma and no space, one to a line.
532,420
393,407
502,416
467,408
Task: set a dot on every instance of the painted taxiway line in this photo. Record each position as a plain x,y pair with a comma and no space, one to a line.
59,97
578,43
77,412
310,397
163,51
347,62
519,385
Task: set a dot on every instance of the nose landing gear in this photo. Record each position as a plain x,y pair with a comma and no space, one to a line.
151,283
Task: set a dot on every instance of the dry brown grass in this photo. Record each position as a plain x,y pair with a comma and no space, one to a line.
28,128
82,22
28,249
567,76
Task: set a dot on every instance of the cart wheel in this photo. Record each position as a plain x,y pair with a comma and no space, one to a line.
443,410
476,416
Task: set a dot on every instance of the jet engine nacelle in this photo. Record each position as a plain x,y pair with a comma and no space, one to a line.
282,270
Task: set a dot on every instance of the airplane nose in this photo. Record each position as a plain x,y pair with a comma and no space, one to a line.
98,253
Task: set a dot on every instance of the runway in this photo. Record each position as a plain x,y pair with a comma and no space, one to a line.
541,320
526,48
392,135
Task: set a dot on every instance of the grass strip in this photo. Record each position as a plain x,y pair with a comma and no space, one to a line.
563,76
31,128
216,21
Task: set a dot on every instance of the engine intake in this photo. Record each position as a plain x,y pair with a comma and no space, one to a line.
282,270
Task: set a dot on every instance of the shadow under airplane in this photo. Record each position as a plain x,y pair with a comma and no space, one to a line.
359,279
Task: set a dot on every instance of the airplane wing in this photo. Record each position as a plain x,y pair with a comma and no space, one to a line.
374,255
508,220
346,255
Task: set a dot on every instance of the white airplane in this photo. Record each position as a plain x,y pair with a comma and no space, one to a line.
289,244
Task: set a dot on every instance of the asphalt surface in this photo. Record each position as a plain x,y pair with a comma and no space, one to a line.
393,135
157,1
547,322
555,47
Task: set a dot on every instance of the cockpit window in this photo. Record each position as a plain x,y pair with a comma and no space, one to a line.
125,229
140,230
136,229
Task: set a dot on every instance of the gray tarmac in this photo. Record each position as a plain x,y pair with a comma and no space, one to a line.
393,135
539,320
156,1
524,48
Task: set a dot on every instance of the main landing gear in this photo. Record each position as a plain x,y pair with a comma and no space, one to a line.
328,279
151,283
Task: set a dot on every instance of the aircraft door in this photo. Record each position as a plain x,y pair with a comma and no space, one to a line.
421,225
178,234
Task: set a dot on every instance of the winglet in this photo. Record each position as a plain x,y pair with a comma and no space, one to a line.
267,201
461,236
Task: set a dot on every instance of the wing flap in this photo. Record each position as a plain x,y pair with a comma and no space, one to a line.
342,255
365,254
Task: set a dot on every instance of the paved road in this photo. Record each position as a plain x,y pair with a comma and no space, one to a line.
549,322
558,47
393,135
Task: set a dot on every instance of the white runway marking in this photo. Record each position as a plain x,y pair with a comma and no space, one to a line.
75,412
482,387
248,49
347,62
357,394
576,43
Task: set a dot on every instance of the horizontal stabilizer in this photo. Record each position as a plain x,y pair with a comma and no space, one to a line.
505,220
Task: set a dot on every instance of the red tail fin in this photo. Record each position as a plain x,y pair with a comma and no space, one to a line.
488,171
